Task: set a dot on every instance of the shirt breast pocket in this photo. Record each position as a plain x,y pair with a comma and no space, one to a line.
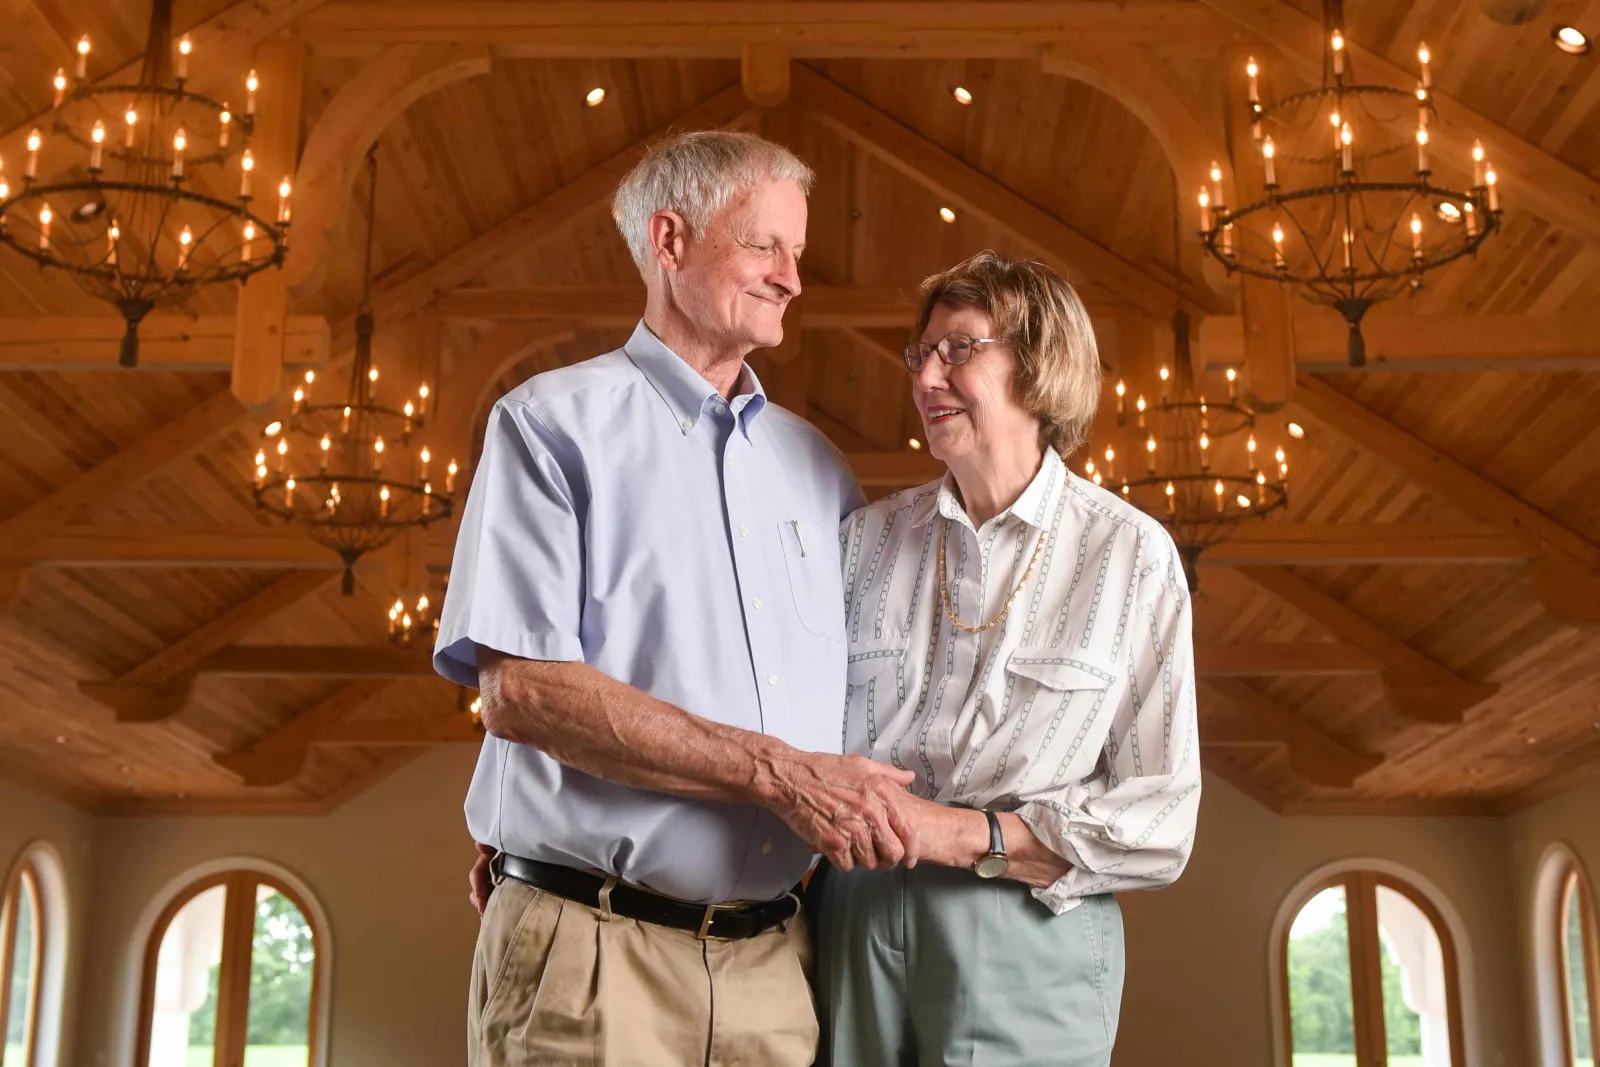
1062,702
811,556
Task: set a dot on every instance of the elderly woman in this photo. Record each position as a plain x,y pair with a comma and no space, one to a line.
1019,640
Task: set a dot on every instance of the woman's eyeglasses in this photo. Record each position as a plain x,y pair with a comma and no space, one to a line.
954,348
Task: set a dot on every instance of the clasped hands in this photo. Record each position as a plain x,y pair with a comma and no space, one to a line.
857,812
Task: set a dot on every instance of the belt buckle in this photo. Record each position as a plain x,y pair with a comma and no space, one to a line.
704,933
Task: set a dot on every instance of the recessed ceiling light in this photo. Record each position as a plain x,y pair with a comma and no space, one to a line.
1571,40
595,97
1243,500
1295,430
946,214
1448,211
961,95
914,444
89,211
61,739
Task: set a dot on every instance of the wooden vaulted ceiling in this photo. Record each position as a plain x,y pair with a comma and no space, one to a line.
1401,639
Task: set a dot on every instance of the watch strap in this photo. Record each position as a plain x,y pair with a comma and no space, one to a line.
997,840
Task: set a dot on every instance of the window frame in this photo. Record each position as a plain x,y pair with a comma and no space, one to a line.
24,876
233,972
1365,950
1572,886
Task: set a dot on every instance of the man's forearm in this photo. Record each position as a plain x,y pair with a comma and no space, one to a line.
593,723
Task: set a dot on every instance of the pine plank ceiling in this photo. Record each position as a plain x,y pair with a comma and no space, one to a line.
466,158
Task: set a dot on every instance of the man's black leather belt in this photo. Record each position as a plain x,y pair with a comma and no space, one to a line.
723,922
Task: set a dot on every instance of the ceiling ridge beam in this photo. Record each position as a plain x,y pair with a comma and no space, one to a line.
1313,755
1566,569
1416,685
157,688
1552,188
1077,256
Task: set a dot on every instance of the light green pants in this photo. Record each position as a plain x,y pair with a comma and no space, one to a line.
934,967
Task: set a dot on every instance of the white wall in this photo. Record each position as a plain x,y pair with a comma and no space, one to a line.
1198,952
1571,820
390,869
25,818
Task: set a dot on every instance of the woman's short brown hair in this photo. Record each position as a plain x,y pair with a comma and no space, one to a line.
1040,315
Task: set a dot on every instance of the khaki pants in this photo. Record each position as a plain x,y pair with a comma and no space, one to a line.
555,983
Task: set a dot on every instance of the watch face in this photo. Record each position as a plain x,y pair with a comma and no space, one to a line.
990,866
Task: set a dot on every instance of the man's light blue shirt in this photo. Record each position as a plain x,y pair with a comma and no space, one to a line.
625,514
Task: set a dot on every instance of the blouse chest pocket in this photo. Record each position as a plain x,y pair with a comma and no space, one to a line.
874,660
1053,671
811,556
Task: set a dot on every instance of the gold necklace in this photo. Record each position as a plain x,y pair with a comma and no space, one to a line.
944,585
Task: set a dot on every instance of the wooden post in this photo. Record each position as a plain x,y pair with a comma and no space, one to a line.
764,72
264,299
1268,328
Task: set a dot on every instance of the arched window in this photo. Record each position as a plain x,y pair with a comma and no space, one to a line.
231,976
1579,967
22,937
1369,977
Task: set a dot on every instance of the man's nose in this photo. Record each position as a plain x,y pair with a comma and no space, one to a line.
787,274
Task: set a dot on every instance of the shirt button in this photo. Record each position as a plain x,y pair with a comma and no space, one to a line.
744,531
722,409
756,603
766,848
688,424
772,679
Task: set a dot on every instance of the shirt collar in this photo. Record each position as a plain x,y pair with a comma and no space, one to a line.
1034,506
686,394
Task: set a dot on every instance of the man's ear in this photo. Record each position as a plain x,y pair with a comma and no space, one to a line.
669,237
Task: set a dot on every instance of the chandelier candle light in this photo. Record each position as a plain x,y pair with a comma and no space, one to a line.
1341,220
122,208
345,469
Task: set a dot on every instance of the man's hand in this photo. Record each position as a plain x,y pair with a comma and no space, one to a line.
851,809
479,880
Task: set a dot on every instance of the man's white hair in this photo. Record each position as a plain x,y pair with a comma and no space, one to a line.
695,175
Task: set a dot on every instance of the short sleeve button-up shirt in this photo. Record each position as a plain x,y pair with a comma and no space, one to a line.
626,515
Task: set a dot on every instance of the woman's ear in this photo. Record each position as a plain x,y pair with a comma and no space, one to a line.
669,237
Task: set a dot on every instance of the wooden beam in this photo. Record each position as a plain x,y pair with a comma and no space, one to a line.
551,215
1567,565
1548,186
465,398
1409,343
764,72
703,29
1417,686
166,343
1281,658
317,661
897,470
279,756
263,304
621,306
365,105
236,547
1288,544
1263,303
1078,257
1312,754
157,689
410,730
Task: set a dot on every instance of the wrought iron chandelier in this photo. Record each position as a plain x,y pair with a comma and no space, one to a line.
1202,472
136,217
1352,214
346,470
417,622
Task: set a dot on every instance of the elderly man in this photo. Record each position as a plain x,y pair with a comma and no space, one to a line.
647,590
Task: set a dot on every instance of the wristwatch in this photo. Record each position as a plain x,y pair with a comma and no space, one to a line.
992,864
